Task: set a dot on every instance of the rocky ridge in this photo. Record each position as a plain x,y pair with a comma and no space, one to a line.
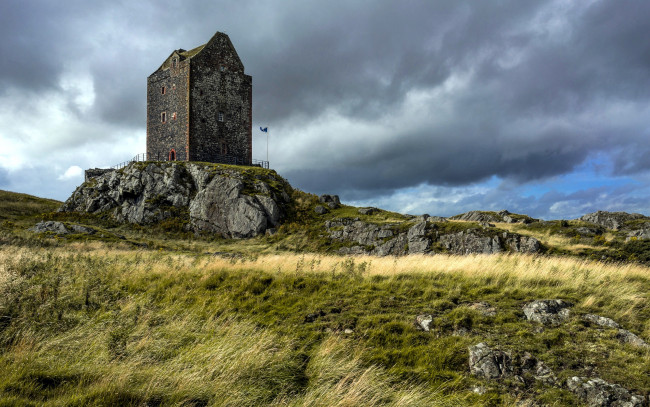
423,237
235,202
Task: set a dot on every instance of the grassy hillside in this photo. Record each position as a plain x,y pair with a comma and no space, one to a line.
16,207
155,315
86,325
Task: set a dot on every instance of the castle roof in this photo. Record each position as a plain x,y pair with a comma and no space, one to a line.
183,54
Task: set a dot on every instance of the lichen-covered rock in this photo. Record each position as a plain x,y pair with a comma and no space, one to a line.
60,228
598,393
469,242
418,238
626,336
602,321
489,363
232,201
612,220
548,312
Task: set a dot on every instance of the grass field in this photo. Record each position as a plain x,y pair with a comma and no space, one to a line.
188,320
91,325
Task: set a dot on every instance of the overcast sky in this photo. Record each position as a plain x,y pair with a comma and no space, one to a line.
439,107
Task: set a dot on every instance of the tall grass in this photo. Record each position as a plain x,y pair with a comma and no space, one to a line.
90,325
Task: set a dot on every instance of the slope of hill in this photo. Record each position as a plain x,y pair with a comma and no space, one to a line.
111,313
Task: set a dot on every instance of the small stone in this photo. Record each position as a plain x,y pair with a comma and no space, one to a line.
320,209
348,331
548,312
602,321
423,322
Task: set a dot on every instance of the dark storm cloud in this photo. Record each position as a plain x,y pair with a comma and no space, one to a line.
528,90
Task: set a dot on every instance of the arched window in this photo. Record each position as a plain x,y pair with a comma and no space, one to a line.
172,155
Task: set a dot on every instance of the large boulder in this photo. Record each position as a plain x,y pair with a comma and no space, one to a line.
232,201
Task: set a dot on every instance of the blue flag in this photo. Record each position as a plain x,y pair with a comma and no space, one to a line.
265,129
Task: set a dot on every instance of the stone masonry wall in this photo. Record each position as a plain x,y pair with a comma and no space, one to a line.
163,137
219,89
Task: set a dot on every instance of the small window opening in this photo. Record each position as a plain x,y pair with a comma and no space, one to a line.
224,148
220,117
222,68
201,93
172,155
174,86
163,117
162,90
174,116
175,62
202,120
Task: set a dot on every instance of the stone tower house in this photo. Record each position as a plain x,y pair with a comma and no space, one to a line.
199,106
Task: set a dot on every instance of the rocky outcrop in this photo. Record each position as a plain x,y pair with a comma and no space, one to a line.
422,237
232,201
613,220
61,229
489,363
597,392
332,201
489,217
548,312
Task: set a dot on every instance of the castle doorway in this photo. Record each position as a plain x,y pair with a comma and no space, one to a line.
172,155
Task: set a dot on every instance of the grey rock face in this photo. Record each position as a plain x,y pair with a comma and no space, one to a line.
478,216
611,220
489,217
598,393
367,211
602,321
332,201
212,198
522,244
468,242
494,364
320,209
548,312
489,363
391,239
60,228
50,226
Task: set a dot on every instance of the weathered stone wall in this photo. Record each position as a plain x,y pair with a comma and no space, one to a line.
219,86
211,97
163,137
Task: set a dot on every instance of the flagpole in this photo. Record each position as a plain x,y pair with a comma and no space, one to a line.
267,145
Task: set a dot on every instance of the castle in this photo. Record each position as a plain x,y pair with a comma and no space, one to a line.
199,106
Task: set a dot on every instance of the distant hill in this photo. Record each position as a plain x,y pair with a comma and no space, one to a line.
14,206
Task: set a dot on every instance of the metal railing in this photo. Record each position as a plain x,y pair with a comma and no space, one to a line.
220,159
